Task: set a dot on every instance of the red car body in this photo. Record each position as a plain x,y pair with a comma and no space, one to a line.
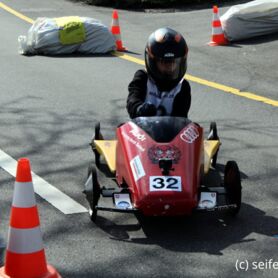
140,155
158,164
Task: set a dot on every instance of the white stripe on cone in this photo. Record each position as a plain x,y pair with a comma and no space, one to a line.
24,241
117,37
115,22
215,17
217,31
24,196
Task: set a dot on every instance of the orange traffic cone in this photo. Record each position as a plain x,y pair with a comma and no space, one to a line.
217,37
25,257
116,31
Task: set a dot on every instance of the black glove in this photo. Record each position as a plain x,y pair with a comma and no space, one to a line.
146,109
161,111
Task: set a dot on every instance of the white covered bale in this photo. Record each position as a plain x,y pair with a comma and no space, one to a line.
65,35
252,19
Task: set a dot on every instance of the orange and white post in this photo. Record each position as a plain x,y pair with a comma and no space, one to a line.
217,37
25,256
116,31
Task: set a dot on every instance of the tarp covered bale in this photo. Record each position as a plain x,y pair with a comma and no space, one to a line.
252,19
65,35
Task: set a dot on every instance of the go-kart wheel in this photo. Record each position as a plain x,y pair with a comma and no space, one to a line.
213,131
98,136
232,183
92,192
213,136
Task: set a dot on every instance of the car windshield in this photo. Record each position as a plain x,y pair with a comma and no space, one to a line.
162,129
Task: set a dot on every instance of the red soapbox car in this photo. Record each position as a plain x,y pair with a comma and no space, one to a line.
158,165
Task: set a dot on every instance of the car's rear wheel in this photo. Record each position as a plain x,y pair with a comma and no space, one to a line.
98,136
92,191
232,183
213,136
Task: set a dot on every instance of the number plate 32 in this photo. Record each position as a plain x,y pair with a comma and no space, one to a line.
165,183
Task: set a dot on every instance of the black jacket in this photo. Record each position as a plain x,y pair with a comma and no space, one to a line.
138,91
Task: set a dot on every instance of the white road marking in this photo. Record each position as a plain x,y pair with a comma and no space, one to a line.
47,191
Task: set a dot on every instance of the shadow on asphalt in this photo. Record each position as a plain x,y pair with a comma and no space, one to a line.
204,233
80,55
257,40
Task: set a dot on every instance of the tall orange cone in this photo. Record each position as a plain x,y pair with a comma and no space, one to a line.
116,31
217,37
25,257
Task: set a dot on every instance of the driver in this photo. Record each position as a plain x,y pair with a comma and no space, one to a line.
161,89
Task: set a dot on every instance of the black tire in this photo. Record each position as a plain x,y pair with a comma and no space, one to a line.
213,135
232,183
93,193
90,168
98,136
213,130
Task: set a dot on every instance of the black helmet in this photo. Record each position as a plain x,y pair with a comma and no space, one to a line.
166,57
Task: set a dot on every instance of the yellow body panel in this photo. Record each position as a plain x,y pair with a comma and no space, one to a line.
210,148
107,148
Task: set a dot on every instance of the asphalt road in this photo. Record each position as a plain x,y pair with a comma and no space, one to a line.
49,106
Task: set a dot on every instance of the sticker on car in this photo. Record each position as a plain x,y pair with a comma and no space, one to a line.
137,168
190,134
207,200
122,201
165,183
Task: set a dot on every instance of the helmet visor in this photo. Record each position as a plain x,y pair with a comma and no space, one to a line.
169,68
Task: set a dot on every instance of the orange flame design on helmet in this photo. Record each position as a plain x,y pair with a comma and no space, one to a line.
177,37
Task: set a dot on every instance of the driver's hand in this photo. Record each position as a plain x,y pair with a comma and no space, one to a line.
161,111
146,109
